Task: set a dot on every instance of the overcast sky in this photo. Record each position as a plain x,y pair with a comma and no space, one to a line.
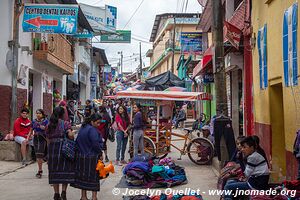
140,25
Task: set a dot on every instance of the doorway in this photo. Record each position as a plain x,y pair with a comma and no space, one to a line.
278,156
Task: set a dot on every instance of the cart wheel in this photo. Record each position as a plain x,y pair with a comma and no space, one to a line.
200,151
149,147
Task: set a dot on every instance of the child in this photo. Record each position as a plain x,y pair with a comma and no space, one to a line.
256,171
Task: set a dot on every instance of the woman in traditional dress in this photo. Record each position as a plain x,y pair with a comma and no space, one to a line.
61,170
89,149
39,140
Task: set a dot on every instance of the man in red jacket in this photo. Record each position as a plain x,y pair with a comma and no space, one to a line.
22,128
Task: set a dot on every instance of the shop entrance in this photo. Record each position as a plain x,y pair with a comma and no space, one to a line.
277,130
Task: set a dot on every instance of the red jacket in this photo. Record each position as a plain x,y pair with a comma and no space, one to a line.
22,127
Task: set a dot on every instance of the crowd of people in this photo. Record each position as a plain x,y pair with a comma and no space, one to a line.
47,135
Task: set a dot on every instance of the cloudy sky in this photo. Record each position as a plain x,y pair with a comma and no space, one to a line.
140,25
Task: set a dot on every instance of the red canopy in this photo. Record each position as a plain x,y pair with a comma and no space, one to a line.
165,95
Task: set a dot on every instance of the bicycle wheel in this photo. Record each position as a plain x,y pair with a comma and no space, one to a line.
200,151
149,147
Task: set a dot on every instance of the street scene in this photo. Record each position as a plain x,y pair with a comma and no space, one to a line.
149,100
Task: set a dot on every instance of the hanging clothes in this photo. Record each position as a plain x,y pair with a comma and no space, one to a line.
224,139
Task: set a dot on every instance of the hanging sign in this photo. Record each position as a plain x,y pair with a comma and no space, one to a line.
83,34
50,18
119,37
100,19
232,34
191,43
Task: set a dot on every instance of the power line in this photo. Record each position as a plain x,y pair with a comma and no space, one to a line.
133,14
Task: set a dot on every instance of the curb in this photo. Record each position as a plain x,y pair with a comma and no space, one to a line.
15,169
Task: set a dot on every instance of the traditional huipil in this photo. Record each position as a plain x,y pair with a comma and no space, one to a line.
89,149
61,170
39,140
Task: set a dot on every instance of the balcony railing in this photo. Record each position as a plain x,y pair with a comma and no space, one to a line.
56,50
169,45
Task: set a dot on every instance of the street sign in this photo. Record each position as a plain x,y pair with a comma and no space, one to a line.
100,19
208,78
119,37
50,18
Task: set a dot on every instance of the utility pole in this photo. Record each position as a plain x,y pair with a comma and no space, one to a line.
141,65
15,46
219,65
173,45
121,63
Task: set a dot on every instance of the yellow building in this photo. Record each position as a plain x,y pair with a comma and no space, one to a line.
161,59
275,83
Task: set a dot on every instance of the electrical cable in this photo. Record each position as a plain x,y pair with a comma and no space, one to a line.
133,14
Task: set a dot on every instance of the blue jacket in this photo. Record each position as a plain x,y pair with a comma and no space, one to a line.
89,141
138,121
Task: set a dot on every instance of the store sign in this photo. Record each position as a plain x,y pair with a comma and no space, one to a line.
191,43
50,18
107,69
100,19
194,20
83,34
232,34
119,37
93,79
208,78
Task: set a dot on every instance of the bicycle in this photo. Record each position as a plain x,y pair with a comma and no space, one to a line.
199,150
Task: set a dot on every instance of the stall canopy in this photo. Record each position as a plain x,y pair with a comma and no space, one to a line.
165,95
164,81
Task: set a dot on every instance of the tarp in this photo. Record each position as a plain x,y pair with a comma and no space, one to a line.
164,95
164,81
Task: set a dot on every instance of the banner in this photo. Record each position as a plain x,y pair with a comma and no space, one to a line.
232,34
289,39
191,43
100,19
119,37
262,54
50,18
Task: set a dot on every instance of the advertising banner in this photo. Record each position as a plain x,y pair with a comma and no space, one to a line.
232,34
50,18
119,37
100,19
191,43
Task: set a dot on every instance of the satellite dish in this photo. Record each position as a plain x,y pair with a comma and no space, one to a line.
9,60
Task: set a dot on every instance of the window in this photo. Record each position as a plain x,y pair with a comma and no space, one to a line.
289,41
262,54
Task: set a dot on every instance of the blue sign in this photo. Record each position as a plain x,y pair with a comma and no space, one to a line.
208,78
83,34
191,43
50,18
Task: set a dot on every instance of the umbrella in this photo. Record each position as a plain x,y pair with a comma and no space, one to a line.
176,89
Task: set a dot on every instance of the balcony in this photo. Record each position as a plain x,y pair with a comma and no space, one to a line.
55,50
169,45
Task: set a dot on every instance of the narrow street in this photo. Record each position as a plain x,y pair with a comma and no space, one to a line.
22,184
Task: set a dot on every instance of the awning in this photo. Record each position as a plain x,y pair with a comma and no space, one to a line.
206,60
165,95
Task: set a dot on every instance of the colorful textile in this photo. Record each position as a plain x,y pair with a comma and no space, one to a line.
37,127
